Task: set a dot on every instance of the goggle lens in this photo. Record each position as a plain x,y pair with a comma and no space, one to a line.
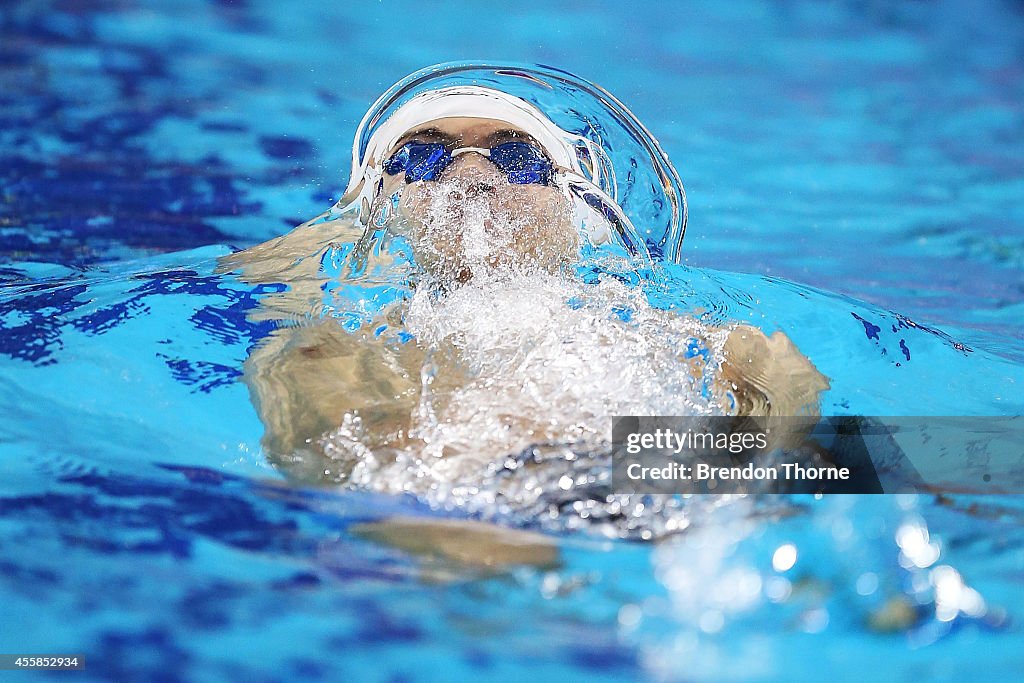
521,162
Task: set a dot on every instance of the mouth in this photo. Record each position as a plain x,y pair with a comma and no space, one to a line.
480,188
471,191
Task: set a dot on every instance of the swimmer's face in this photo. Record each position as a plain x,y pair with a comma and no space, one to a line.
473,214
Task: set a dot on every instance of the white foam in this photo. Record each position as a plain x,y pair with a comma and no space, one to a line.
515,359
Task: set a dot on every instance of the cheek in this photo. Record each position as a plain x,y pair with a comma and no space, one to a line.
413,202
427,203
428,222
544,212
416,207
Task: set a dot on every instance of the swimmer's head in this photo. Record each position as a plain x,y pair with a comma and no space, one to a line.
588,181
480,180
470,176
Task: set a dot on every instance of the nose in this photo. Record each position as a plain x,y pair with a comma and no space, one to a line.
474,174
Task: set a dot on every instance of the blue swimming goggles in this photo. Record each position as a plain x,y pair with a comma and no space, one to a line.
521,162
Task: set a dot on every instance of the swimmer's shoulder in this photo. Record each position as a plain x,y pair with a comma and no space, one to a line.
770,375
291,254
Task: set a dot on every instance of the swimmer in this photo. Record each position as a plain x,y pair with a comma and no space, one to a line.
485,190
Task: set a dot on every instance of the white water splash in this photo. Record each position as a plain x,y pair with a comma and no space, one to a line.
514,359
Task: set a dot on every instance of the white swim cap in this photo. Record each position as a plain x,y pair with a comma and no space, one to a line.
474,102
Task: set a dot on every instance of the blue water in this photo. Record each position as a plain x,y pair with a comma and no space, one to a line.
868,152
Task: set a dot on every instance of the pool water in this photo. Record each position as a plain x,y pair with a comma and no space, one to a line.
853,179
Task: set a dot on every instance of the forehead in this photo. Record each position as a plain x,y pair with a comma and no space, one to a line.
465,130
